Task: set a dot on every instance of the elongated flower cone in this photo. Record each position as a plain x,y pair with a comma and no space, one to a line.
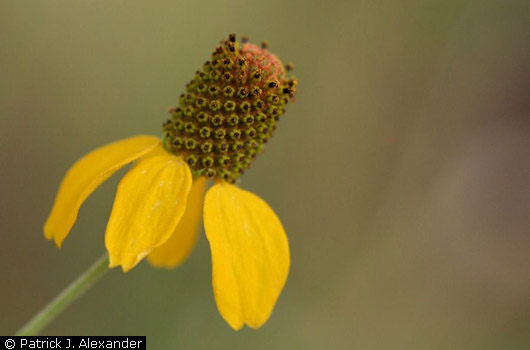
230,110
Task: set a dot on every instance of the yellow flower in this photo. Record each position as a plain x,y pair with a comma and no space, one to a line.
227,114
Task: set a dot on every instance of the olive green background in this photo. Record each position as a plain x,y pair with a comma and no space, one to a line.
401,173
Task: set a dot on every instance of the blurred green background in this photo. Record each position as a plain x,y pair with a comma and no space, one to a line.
401,173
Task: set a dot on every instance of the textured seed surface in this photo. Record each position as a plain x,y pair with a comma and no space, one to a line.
229,110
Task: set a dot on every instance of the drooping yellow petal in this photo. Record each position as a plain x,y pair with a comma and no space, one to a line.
250,254
150,202
157,151
179,246
86,175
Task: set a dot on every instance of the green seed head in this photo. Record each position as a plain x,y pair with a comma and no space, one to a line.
229,110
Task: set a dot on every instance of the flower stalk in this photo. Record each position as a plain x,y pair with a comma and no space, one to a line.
65,298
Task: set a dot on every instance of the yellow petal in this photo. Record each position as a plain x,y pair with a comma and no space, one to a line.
150,202
179,246
250,254
86,175
157,151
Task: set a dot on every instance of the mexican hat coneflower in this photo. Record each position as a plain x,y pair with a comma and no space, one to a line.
226,115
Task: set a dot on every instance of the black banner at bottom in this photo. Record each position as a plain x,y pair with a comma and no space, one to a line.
16,342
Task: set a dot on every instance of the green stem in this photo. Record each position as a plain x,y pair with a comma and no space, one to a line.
66,297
